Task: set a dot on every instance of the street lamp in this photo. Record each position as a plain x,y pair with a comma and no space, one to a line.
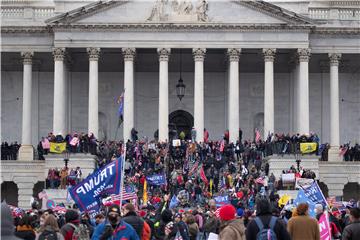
66,159
298,159
180,86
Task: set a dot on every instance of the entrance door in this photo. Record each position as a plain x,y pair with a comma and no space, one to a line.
181,120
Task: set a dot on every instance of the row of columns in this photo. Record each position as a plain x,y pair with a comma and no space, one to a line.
301,86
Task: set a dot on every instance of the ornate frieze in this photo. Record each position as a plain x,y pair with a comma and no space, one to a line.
27,57
334,59
59,54
304,54
94,53
199,54
234,54
128,53
164,54
269,54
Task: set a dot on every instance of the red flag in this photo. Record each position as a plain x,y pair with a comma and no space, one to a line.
202,176
222,146
217,213
257,136
194,168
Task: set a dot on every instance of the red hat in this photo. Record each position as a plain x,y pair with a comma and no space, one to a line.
227,212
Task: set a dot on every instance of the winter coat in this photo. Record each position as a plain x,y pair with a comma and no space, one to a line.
303,227
232,230
25,232
124,231
50,229
352,231
280,230
212,225
135,221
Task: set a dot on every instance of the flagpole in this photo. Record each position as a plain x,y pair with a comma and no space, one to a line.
122,175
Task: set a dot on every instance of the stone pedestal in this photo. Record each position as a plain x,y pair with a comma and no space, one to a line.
333,154
26,153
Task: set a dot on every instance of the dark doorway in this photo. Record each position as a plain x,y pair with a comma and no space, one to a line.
181,121
351,191
9,193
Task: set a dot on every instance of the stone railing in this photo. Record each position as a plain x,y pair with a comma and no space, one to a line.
26,12
334,14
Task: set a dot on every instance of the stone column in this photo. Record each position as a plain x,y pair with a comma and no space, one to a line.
269,56
129,56
93,125
234,55
303,93
334,107
164,54
26,151
59,121
199,56
25,192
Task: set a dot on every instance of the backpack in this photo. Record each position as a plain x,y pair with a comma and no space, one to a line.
48,235
146,232
268,232
80,233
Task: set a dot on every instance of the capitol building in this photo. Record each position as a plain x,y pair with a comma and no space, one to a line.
280,66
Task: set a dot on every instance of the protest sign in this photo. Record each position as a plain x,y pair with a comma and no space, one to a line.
176,143
221,200
157,179
324,226
87,194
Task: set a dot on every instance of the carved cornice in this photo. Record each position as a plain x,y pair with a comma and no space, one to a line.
59,54
334,59
164,54
336,31
199,54
234,54
25,29
129,54
27,57
269,54
94,53
304,54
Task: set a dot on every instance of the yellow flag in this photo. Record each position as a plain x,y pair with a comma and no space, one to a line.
283,200
57,147
307,147
211,186
145,195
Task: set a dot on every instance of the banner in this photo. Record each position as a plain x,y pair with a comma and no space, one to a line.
221,200
307,147
174,202
203,176
106,180
57,147
288,178
303,182
157,179
314,193
145,195
324,226
176,143
302,198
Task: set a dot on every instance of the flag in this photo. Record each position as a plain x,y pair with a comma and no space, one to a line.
257,136
302,198
324,226
156,179
211,185
314,193
217,213
194,168
57,147
283,200
221,200
120,101
42,195
173,202
260,180
145,195
128,193
202,176
88,193
222,146
343,150
309,147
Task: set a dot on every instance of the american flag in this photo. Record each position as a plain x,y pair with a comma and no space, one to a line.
217,213
128,193
257,136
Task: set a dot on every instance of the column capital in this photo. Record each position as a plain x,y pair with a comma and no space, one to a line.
269,54
164,54
27,57
304,54
59,54
94,53
129,54
199,54
334,59
234,54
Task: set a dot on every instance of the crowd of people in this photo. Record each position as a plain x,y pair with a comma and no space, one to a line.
63,178
9,151
350,152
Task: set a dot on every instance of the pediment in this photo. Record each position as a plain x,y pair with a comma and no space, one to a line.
179,11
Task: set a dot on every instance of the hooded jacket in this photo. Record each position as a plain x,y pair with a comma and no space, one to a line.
233,229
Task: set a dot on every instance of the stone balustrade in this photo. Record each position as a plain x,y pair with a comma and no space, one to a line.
334,14
26,12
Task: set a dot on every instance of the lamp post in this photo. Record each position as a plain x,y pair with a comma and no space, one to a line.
180,86
298,157
66,158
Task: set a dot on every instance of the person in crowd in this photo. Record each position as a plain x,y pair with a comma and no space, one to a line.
99,218
72,220
264,220
49,230
230,227
352,231
303,226
63,177
86,223
7,223
182,227
24,230
130,217
114,227
212,224
192,226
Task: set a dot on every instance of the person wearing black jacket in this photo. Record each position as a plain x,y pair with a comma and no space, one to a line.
263,211
133,219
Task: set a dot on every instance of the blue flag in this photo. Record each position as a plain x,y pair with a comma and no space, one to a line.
88,193
173,202
302,198
314,193
157,179
221,200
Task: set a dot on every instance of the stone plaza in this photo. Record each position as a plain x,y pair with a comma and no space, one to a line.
278,66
